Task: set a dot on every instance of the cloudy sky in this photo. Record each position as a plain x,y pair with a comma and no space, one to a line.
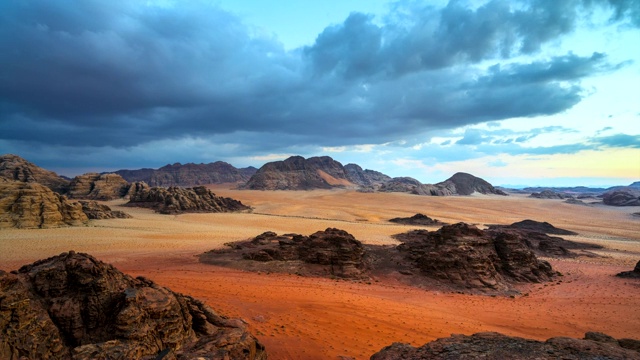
539,92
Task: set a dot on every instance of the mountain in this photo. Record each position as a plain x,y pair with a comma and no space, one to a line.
356,175
467,184
189,174
13,167
298,173
96,186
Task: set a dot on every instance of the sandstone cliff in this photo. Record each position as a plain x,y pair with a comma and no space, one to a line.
188,175
298,173
95,186
13,167
31,205
174,200
73,306
93,210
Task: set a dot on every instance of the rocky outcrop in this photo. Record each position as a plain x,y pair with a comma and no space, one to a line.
464,256
298,173
491,345
532,225
13,167
360,177
417,219
624,197
73,306
332,252
31,205
549,194
97,211
95,186
633,274
190,174
176,200
467,184
412,186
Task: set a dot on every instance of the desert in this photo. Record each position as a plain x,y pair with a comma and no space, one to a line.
299,317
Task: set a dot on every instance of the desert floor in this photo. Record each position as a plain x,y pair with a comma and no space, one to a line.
313,318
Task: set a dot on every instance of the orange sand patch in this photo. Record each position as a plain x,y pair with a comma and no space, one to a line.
310,318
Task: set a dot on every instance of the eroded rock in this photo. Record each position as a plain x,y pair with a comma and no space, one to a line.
97,211
175,200
95,186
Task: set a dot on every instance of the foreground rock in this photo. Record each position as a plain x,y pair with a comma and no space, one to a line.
332,252
93,186
417,219
623,197
27,205
73,306
494,346
634,274
176,200
466,257
13,167
97,211
532,225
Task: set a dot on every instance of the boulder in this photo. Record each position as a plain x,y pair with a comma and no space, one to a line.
175,200
417,219
95,186
633,274
97,211
73,306
494,346
31,205
13,167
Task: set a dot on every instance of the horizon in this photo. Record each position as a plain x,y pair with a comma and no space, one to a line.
519,92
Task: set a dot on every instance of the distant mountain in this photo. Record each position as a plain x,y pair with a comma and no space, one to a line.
298,173
13,167
356,175
189,174
467,184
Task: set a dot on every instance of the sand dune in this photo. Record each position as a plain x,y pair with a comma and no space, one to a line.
314,318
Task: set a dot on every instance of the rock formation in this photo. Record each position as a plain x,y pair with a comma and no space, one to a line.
13,167
467,184
93,210
298,173
176,200
548,194
73,306
491,345
624,197
95,186
633,274
417,219
31,205
467,257
332,252
411,186
190,174
532,225
360,177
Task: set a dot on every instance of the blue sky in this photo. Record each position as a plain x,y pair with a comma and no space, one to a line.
518,92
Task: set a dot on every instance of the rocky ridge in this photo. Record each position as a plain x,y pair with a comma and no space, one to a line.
298,173
189,175
549,194
623,197
175,200
97,211
94,186
466,184
417,219
537,226
13,167
31,205
358,176
491,345
73,306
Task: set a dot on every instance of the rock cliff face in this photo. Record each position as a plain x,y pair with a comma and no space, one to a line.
190,174
360,177
93,210
467,257
332,252
31,205
13,167
298,173
95,186
624,197
73,306
490,345
176,200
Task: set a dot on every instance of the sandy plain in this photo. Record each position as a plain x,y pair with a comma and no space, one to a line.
314,318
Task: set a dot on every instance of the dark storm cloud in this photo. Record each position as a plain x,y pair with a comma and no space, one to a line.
121,73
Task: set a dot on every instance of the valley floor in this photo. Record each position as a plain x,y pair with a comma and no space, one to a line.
312,318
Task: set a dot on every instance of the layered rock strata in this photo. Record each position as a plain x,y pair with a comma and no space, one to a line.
175,200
